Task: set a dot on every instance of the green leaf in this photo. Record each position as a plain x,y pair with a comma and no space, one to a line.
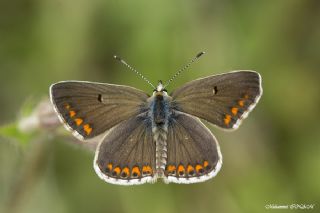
11,131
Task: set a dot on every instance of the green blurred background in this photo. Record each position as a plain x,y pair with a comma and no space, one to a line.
274,158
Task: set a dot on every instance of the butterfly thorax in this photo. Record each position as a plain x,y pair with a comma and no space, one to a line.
160,109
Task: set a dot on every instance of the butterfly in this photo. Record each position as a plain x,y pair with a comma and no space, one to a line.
158,136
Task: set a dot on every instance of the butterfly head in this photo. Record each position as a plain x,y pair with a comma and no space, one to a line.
160,88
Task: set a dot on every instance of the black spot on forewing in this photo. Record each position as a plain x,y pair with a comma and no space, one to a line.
215,90
100,98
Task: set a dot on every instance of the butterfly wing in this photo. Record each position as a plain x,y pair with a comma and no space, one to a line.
127,154
89,109
223,100
193,153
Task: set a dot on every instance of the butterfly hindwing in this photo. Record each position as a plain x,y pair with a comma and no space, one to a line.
193,153
89,109
223,100
127,155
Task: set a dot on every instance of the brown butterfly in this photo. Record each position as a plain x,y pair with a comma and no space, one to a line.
158,136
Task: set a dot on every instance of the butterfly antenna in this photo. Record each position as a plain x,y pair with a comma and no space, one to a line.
134,70
183,69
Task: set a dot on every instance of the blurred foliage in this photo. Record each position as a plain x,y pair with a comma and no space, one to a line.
12,132
272,159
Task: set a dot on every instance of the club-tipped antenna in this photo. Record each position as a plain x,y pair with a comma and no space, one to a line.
134,70
183,68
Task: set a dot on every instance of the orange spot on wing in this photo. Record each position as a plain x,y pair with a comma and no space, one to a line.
109,166
190,169
227,119
199,168
72,113
205,163
78,121
246,96
87,129
116,171
181,170
136,172
125,172
241,103
146,170
171,169
234,110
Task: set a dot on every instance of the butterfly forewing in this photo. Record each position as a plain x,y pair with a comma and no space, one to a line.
193,152
223,100
89,109
127,154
